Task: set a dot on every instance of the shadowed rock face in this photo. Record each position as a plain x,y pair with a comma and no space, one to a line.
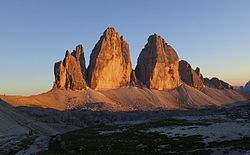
157,65
247,84
190,76
244,89
217,83
110,66
133,80
70,73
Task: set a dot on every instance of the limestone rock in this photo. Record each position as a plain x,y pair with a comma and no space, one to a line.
157,65
190,76
71,72
110,64
197,70
133,80
217,83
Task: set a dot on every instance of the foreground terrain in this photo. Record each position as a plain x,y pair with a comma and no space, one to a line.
202,131
160,137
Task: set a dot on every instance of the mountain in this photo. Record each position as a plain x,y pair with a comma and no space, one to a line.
159,81
157,65
190,76
71,72
245,89
110,65
217,83
247,84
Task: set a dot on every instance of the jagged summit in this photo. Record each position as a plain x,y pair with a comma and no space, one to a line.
71,72
157,65
217,83
191,77
110,65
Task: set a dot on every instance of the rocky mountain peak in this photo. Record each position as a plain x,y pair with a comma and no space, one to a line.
70,73
157,65
190,76
110,66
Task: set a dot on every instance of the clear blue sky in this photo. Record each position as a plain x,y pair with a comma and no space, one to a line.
211,34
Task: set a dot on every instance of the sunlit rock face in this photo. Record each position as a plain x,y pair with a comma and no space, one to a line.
189,76
110,66
217,83
157,65
71,72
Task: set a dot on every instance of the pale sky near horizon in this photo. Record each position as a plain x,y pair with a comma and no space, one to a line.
211,34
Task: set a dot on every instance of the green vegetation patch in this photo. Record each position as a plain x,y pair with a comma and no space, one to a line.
126,139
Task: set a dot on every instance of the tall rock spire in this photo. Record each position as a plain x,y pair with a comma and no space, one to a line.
71,72
157,65
110,66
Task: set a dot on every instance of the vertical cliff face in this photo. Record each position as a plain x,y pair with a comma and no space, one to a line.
190,76
157,65
133,80
71,72
110,66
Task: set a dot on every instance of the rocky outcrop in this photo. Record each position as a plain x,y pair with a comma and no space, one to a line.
247,85
217,83
197,70
110,66
191,77
157,65
133,80
70,73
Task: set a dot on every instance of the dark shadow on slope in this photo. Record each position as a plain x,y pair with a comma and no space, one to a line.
83,118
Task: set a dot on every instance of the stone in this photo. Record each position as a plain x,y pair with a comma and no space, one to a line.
198,72
157,65
191,77
133,80
71,72
110,65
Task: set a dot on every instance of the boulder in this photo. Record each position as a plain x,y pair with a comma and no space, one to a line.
157,65
110,66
